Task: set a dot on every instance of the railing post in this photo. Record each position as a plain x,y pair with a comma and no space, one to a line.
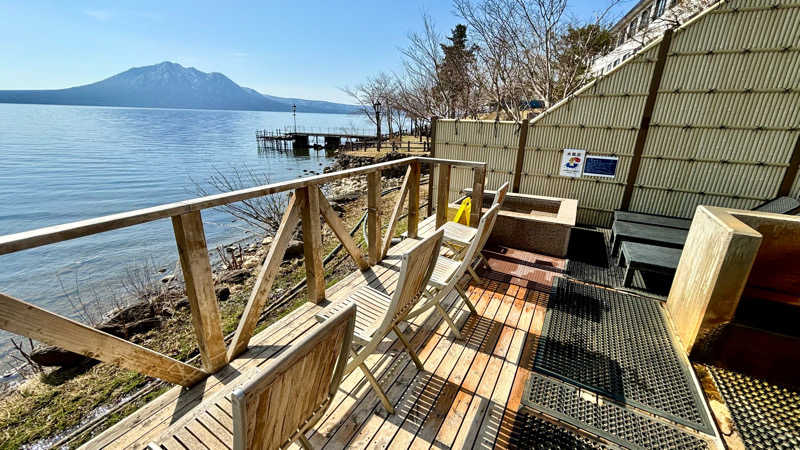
523,140
413,199
196,268
442,194
478,181
312,242
432,148
374,216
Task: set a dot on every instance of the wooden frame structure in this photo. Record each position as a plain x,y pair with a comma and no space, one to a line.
729,252
306,203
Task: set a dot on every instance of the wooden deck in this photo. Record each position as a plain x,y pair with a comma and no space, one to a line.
468,394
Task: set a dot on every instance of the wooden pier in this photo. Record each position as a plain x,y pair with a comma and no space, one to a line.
310,138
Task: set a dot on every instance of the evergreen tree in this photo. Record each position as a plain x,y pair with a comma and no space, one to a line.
454,72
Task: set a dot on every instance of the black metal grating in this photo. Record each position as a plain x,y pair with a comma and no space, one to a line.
618,345
616,424
766,415
532,432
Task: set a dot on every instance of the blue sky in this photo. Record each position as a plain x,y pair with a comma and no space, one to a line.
307,49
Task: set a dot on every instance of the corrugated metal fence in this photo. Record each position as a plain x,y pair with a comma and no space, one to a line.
722,126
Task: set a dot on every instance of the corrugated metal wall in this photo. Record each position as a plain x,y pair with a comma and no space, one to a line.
725,121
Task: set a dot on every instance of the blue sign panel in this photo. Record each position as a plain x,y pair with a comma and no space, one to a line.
600,166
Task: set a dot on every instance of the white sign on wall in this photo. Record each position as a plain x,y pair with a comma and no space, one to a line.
572,162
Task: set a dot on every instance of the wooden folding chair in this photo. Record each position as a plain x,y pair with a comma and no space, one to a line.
275,408
379,314
448,272
458,236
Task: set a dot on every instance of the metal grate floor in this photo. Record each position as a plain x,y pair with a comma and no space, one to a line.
532,432
612,422
766,415
618,345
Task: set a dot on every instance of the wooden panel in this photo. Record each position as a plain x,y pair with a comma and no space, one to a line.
711,274
396,211
312,243
263,285
191,240
374,216
775,267
442,192
340,231
28,320
413,199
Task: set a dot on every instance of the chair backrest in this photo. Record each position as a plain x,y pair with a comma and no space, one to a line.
485,227
500,195
415,271
272,410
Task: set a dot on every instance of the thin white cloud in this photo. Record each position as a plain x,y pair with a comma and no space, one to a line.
98,14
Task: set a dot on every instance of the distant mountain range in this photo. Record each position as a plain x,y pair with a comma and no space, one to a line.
170,85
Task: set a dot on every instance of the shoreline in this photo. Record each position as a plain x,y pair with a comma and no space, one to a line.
173,334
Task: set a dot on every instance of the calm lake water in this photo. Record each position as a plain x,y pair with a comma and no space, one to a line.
60,164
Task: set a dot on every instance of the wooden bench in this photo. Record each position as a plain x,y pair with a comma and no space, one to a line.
652,219
646,234
647,258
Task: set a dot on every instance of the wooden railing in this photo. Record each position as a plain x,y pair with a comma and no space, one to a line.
308,203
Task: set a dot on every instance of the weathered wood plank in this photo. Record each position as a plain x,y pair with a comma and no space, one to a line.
442,194
312,243
263,285
29,320
413,199
374,216
193,252
340,231
396,211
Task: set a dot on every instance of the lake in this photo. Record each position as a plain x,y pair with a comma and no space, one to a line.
60,164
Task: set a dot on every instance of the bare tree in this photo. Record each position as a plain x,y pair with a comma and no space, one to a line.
531,51
263,212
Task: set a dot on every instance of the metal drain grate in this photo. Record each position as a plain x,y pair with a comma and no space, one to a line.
618,345
531,432
766,415
607,420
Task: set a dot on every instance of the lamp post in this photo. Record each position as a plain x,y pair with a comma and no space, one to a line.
377,106
294,116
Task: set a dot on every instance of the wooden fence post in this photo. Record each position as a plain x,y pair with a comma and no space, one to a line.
374,216
442,194
647,115
196,268
432,148
312,242
413,200
523,140
478,182
395,217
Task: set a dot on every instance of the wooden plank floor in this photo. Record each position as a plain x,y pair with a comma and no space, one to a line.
467,396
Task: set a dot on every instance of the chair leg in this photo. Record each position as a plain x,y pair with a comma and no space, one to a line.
447,319
466,300
409,349
377,387
473,274
304,442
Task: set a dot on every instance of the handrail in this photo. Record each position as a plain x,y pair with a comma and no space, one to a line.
24,240
305,206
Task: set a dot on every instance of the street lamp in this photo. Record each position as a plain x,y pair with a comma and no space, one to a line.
377,106
294,116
